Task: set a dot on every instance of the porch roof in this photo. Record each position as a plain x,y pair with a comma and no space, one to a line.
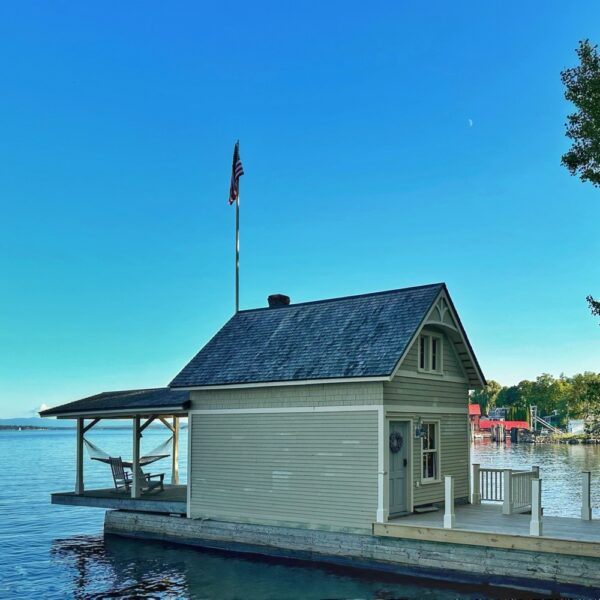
124,403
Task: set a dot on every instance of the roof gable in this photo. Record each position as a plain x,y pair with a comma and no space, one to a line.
352,337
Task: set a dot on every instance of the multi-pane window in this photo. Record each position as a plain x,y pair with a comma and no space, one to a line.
430,353
430,452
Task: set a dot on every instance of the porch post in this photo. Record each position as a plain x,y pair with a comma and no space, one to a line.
135,468
536,526
476,495
175,465
507,505
449,515
79,487
586,505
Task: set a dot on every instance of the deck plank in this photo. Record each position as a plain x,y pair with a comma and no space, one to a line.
485,525
173,499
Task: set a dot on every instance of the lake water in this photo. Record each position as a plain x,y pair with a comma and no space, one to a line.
59,552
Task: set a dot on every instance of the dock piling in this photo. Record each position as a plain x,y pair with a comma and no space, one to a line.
536,526
586,505
449,515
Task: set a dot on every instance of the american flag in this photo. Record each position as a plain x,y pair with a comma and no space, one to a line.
237,170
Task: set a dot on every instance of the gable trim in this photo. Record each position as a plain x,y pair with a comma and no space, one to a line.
475,371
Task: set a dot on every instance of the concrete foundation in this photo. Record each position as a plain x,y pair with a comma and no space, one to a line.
541,573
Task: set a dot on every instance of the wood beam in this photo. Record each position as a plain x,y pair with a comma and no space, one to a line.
79,487
148,421
175,453
168,425
90,425
136,483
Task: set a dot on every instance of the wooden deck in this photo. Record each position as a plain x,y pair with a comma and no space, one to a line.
173,500
485,525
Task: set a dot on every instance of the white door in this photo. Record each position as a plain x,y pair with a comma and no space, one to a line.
398,449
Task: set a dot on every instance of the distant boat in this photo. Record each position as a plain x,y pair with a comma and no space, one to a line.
20,429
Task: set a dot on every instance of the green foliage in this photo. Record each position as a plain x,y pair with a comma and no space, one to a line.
594,306
584,396
582,88
571,397
486,397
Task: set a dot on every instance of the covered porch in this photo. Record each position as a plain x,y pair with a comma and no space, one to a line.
136,483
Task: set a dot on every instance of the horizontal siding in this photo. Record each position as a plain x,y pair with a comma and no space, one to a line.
413,392
410,393
309,469
332,394
451,363
454,446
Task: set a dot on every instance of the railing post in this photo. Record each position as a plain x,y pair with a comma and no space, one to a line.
535,526
536,471
476,479
586,505
449,516
507,505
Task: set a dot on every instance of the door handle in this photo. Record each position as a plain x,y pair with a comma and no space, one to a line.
405,462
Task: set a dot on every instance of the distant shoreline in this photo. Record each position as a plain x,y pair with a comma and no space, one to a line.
28,428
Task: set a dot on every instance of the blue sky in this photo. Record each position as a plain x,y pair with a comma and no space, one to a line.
385,145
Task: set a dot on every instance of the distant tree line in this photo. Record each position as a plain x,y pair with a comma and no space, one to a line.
576,397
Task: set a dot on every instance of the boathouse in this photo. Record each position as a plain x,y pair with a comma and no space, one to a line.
336,430
331,414
292,408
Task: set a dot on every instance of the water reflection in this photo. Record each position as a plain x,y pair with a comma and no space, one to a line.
113,567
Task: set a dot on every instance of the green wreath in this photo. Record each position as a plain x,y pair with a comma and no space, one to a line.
396,442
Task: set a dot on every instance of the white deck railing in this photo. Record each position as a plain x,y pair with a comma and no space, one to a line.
491,483
509,486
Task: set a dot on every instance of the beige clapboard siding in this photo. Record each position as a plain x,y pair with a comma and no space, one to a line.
333,394
310,469
451,363
411,390
454,461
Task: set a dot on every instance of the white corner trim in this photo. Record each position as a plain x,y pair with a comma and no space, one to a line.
382,471
287,409
238,386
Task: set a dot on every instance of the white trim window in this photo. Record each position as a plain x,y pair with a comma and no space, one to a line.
430,452
430,353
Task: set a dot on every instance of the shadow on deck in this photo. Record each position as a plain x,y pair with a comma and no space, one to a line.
485,525
173,500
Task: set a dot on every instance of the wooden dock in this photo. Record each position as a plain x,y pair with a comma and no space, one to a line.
485,525
173,500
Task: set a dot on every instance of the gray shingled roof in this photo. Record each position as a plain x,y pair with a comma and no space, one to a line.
140,400
355,336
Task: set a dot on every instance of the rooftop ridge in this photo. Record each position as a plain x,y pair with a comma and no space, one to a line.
350,297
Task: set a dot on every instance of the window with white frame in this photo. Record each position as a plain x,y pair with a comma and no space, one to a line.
430,455
430,353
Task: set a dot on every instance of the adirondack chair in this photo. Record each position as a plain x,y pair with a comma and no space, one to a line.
120,476
123,479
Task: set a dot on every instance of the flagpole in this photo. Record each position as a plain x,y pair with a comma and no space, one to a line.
237,252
